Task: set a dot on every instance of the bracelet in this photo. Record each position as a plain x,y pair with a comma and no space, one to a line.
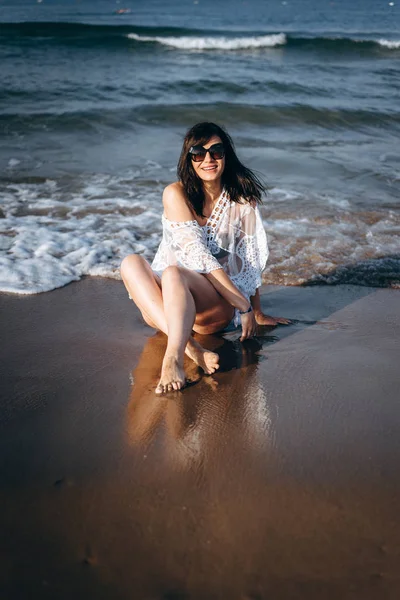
244,312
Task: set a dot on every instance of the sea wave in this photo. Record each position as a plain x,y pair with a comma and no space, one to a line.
60,29
191,39
215,43
326,43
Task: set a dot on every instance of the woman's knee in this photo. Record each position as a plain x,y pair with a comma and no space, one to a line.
130,264
173,274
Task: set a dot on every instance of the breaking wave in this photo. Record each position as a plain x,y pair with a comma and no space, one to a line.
215,43
78,34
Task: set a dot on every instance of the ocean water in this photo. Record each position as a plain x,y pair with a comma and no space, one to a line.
94,105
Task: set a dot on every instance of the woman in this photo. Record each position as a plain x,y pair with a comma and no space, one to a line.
207,270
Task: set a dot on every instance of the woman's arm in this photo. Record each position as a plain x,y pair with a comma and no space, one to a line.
228,290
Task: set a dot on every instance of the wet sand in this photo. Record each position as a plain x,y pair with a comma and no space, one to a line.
277,478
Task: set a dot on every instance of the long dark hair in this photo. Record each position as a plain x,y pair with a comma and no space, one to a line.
240,183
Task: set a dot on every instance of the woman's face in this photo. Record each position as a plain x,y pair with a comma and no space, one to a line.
210,169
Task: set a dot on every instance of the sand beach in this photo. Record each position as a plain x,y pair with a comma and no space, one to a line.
275,478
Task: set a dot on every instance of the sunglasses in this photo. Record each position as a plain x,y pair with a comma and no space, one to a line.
198,153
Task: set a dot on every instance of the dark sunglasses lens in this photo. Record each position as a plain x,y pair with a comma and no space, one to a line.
198,156
217,154
217,151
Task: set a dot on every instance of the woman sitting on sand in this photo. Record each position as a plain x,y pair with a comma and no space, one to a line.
207,270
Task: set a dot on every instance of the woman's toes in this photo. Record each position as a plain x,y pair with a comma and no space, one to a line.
173,386
172,376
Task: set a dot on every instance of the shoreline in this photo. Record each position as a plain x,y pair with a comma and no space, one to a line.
276,477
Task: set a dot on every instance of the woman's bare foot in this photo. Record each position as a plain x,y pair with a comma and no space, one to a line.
207,360
173,376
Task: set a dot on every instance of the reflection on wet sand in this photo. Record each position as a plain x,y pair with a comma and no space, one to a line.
196,424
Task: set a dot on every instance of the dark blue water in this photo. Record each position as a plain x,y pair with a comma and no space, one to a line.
94,104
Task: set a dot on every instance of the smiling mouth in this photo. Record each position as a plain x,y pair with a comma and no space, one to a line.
210,168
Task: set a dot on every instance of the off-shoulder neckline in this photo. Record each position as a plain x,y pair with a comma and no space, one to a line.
182,223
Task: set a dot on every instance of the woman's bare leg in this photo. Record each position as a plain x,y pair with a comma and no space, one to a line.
186,293
180,314
144,288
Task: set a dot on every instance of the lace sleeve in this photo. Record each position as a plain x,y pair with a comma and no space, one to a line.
251,251
186,241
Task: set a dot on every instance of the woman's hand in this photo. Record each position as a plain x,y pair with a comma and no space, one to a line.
249,325
262,319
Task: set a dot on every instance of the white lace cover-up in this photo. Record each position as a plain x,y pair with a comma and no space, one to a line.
232,239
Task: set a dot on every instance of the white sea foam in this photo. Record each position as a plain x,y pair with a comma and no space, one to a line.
392,44
214,43
48,240
50,235
46,254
